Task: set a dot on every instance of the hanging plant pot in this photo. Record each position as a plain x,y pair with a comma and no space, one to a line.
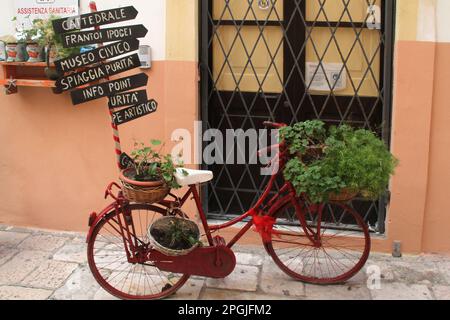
34,52
142,191
174,236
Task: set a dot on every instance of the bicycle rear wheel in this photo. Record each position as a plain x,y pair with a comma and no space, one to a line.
341,251
110,266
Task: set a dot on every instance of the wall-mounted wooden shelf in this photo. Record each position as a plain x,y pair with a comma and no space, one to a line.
24,74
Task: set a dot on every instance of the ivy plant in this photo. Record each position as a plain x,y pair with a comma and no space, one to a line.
351,159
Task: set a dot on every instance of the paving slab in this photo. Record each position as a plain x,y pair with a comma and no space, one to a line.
22,264
21,293
43,242
49,275
401,291
81,285
218,294
243,278
275,282
444,269
73,251
12,239
6,254
441,292
337,292
249,259
190,291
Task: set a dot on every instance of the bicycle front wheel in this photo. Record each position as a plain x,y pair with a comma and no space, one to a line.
339,250
108,261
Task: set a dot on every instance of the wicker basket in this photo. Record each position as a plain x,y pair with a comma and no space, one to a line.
167,251
142,192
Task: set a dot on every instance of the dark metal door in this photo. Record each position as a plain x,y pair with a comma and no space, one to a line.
289,61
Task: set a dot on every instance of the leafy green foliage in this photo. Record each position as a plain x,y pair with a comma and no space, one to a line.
151,165
176,233
43,34
352,159
46,37
303,135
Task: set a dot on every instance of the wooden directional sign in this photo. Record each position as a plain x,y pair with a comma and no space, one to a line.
128,99
93,74
94,19
134,112
75,39
94,56
108,88
125,161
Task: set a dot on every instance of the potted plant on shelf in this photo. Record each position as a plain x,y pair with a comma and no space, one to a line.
338,163
28,48
10,43
152,176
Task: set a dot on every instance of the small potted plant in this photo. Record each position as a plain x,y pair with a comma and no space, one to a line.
152,175
350,162
28,48
174,236
10,43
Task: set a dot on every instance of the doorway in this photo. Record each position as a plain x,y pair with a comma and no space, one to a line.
290,61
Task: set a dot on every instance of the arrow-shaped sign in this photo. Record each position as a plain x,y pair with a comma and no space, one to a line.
97,55
75,39
93,74
127,99
135,112
108,88
94,19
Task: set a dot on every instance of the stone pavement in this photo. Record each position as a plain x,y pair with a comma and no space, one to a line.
36,264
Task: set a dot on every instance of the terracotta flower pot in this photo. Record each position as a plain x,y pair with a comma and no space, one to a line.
124,176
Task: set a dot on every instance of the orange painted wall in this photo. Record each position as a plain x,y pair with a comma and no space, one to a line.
57,159
436,235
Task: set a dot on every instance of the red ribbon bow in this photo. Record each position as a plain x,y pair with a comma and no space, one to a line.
263,225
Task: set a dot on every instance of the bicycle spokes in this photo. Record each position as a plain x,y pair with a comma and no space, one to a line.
338,249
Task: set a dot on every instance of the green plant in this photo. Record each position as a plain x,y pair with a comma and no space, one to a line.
26,35
302,135
176,233
352,159
152,165
45,36
180,233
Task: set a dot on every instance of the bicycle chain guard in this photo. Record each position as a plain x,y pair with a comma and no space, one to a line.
217,261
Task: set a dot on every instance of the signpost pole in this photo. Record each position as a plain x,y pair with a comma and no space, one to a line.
115,128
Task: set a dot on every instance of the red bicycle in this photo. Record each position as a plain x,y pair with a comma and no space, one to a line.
320,244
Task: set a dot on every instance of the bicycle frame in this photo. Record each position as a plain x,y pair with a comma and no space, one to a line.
278,201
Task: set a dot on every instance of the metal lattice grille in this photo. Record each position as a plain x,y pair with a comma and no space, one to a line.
290,61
